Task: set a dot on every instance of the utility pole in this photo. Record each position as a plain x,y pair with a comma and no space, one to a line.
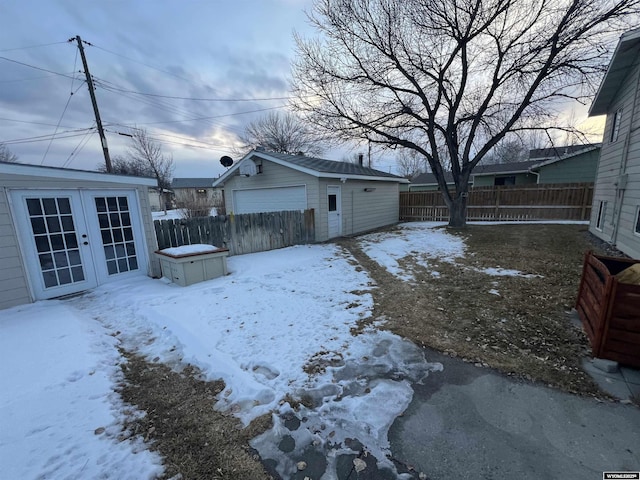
103,139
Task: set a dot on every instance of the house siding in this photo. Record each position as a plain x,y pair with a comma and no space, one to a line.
577,169
621,205
13,278
489,180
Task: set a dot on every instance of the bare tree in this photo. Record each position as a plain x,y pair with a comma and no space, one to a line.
145,158
410,163
148,154
281,132
7,155
507,151
451,76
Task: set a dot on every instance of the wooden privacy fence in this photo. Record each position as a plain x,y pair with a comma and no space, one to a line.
247,233
568,201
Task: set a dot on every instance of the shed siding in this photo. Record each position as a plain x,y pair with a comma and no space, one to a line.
361,211
13,280
610,168
577,169
13,272
274,175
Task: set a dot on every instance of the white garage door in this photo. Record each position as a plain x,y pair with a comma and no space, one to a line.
270,199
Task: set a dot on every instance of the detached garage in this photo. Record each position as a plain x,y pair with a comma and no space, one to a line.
346,198
64,231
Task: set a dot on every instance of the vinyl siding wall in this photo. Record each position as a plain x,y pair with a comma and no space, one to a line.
577,169
361,211
489,180
14,273
370,209
610,168
273,175
13,278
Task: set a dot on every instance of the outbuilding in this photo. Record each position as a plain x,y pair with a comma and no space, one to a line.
347,198
63,231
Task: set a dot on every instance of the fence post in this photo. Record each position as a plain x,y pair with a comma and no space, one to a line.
585,197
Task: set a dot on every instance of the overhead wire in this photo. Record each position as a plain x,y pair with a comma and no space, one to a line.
35,67
64,110
83,142
44,138
137,61
34,123
158,101
31,46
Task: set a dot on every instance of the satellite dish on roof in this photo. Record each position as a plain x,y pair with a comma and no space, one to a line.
226,161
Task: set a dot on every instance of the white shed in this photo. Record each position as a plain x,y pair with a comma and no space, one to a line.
64,231
347,198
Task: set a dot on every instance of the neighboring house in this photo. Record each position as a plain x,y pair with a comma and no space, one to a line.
616,198
195,190
159,199
347,198
516,173
64,231
574,164
427,182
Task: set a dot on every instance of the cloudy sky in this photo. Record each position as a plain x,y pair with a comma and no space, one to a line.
237,52
191,72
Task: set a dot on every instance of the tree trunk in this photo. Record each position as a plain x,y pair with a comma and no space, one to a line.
458,211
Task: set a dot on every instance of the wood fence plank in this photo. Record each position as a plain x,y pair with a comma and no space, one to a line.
241,234
519,202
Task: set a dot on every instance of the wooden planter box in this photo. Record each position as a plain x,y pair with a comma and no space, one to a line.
610,310
189,268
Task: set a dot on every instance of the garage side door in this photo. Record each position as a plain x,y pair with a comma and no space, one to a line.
270,199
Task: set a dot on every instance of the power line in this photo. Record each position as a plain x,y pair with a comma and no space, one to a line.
37,68
196,99
208,118
30,78
31,46
64,110
44,138
79,147
137,61
34,123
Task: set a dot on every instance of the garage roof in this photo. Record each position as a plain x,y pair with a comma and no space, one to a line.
318,167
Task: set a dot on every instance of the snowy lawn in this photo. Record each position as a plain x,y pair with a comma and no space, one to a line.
256,329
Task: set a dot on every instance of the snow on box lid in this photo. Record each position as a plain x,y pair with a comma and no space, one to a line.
189,250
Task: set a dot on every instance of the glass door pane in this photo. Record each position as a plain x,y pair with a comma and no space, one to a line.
56,240
116,232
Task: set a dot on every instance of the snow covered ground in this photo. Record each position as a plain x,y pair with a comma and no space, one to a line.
256,329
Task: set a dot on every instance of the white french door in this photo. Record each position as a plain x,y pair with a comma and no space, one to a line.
74,240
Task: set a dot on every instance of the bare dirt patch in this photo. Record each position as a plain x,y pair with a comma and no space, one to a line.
519,325
196,441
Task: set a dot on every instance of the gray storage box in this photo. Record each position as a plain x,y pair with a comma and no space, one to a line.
193,263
